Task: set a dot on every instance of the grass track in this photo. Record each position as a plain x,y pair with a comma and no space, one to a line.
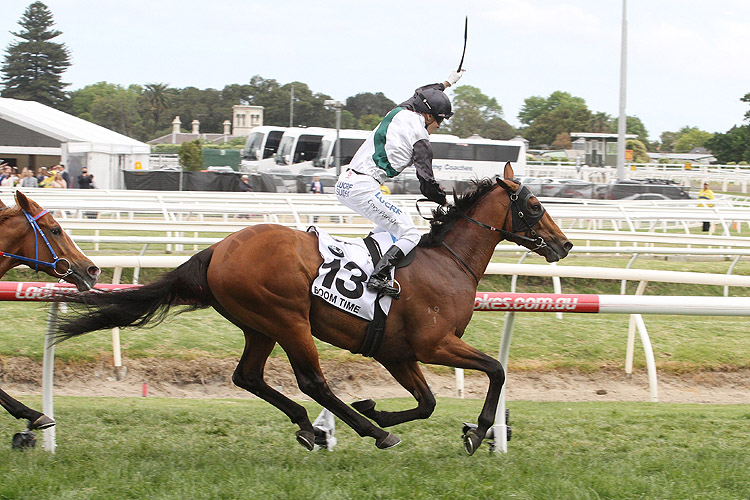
227,449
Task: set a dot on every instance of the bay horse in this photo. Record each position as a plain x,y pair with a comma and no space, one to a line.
260,277
30,235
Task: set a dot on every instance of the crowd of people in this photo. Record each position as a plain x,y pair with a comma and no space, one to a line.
55,177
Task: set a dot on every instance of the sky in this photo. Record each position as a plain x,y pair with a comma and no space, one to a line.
687,60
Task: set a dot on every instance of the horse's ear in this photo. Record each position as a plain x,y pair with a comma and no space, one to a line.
508,174
22,201
2,204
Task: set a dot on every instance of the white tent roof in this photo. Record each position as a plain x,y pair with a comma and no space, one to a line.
81,136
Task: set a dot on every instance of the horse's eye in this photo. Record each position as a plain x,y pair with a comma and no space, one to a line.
56,231
535,208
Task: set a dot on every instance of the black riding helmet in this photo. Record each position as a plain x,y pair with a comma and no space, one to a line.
433,102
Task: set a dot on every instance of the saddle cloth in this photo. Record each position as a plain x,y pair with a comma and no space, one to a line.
342,278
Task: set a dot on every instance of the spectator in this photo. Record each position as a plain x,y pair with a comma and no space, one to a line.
11,177
706,194
5,171
59,181
27,179
42,175
316,186
85,180
49,177
65,175
245,184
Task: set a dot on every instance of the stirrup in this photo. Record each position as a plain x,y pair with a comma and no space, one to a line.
384,287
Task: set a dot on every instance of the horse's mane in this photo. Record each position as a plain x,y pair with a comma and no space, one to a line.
444,218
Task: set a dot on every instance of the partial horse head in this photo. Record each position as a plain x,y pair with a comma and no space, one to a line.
531,225
31,236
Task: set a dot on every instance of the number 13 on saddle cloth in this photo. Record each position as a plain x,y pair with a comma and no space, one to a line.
342,278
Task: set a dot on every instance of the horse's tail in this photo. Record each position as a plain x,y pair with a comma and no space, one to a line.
186,285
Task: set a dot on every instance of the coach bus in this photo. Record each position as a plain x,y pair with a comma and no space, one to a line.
262,144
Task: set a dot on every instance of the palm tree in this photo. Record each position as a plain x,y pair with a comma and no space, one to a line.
159,98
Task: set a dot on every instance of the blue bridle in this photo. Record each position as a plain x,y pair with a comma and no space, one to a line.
38,232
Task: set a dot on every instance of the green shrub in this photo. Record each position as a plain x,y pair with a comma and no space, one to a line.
191,157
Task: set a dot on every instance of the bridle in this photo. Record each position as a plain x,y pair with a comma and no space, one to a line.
522,221
36,261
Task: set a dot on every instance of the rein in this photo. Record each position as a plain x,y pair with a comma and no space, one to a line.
520,218
36,261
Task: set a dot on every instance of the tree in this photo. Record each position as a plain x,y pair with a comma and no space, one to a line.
640,155
732,146
368,122
559,113
367,103
111,106
567,118
562,141
536,106
33,67
191,157
690,138
158,98
476,113
667,142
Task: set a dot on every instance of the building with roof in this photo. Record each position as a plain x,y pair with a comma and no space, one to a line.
244,119
600,149
34,135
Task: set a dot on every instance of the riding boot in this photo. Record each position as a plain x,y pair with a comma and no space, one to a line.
380,277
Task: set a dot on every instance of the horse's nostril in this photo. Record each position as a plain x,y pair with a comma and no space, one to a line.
567,246
94,271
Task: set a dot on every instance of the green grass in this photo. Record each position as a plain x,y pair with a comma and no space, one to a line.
226,449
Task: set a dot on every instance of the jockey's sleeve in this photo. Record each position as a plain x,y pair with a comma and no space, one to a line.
429,187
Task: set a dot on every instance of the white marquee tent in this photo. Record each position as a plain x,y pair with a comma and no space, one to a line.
32,132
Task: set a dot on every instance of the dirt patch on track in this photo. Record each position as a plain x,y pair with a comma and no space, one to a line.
211,378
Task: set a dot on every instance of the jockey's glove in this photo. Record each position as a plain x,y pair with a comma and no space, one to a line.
455,76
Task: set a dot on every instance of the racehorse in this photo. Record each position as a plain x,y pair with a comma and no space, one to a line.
260,277
30,235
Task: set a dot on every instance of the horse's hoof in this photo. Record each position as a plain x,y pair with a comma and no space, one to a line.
471,442
42,422
306,439
389,441
364,406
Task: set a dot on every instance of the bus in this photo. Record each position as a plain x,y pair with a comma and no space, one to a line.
261,144
457,161
350,140
475,157
299,145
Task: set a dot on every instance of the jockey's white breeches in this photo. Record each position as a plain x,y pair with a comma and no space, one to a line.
362,194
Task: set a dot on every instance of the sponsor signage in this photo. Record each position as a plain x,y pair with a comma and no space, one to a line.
536,302
42,292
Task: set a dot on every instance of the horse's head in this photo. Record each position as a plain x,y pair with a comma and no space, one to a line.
531,225
59,256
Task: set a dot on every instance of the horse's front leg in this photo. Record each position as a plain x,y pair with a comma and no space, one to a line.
408,374
458,354
37,420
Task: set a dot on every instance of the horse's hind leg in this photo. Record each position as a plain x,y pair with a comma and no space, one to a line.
37,420
410,377
249,376
303,356
458,354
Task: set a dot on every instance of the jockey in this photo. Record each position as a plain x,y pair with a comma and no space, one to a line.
402,139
